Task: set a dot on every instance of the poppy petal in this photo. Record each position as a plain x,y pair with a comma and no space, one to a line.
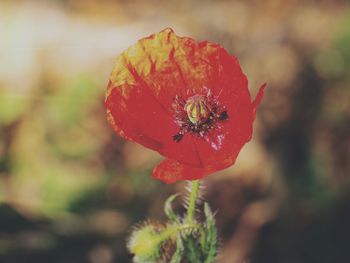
145,75
259,97
170,171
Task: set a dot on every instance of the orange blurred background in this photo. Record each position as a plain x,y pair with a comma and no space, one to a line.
70,189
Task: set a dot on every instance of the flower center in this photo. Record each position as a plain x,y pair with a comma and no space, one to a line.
197,115
197,109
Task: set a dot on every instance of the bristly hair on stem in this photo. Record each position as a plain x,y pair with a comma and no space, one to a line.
191,209
188,190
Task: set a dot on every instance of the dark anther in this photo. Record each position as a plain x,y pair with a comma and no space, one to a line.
178,137
223,116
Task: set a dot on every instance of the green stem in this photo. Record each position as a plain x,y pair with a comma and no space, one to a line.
192,202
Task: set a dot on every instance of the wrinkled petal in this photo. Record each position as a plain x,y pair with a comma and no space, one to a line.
150,74
170,171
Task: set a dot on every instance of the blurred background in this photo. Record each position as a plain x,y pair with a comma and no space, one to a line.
70,189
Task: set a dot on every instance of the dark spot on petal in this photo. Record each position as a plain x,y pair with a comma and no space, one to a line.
223,116
178,137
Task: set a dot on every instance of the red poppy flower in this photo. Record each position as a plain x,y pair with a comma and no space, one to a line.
187,100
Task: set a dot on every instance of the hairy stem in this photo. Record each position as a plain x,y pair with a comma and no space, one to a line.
192,202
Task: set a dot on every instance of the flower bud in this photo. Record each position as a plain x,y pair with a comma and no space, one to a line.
146,241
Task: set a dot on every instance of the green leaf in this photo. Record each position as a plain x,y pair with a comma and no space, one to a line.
203,240
168,209
191,250
211,235
176,258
